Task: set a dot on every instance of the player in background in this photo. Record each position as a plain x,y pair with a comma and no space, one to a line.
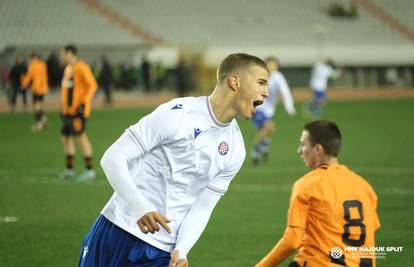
78,89
321,72
170,169
36,76
264,116
331,207
106,80
17,70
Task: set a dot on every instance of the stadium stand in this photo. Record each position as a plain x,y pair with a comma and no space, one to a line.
258,22
253,22
400,9
301,31
56,23
394,18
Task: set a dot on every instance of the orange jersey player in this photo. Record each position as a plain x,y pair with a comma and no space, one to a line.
332,213
78,89
36,76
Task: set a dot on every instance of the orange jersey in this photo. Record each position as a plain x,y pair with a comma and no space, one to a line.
37,76
78,88
337,208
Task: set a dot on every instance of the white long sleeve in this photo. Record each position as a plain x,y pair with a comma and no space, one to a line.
286,95
115,165
151,131
195,221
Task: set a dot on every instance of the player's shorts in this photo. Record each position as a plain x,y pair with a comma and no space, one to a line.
73,125
259,119
108,245
319,95
294,264
37,98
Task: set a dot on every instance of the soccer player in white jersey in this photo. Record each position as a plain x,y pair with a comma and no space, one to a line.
321,72
170,169
263,118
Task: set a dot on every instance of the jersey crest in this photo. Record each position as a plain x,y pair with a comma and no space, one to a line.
223,148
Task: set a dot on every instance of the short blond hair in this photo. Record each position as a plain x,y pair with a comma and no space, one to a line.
237,62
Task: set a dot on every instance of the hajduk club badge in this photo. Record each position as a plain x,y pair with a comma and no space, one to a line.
223,148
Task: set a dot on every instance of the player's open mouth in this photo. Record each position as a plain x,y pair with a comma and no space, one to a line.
257,103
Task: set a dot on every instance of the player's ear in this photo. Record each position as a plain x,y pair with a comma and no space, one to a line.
319,149
234,82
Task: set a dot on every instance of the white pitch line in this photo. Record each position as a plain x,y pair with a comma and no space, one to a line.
46,180
8,219
385,170
260,188
381,170
29,169
286,188
235,187
285,169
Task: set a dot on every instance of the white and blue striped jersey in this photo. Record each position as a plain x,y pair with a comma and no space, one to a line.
184,151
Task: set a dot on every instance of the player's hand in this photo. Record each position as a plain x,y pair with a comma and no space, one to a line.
175,262
150,223
80,110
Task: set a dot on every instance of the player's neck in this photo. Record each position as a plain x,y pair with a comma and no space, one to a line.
221,105
73,60
328,160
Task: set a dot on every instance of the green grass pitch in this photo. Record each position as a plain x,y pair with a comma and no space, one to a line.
53,216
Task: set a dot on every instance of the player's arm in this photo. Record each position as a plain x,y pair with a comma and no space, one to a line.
193,225
90,83
27,78
67,72
335,73
64,86
374,199
195,221
288,102
290,242
197,218
114,163
296,225
152,130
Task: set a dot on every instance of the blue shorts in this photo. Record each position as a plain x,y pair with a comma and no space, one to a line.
319,96
107,245
259,119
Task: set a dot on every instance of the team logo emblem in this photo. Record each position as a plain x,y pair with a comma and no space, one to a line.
197,131
336,252
178,106
223,148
